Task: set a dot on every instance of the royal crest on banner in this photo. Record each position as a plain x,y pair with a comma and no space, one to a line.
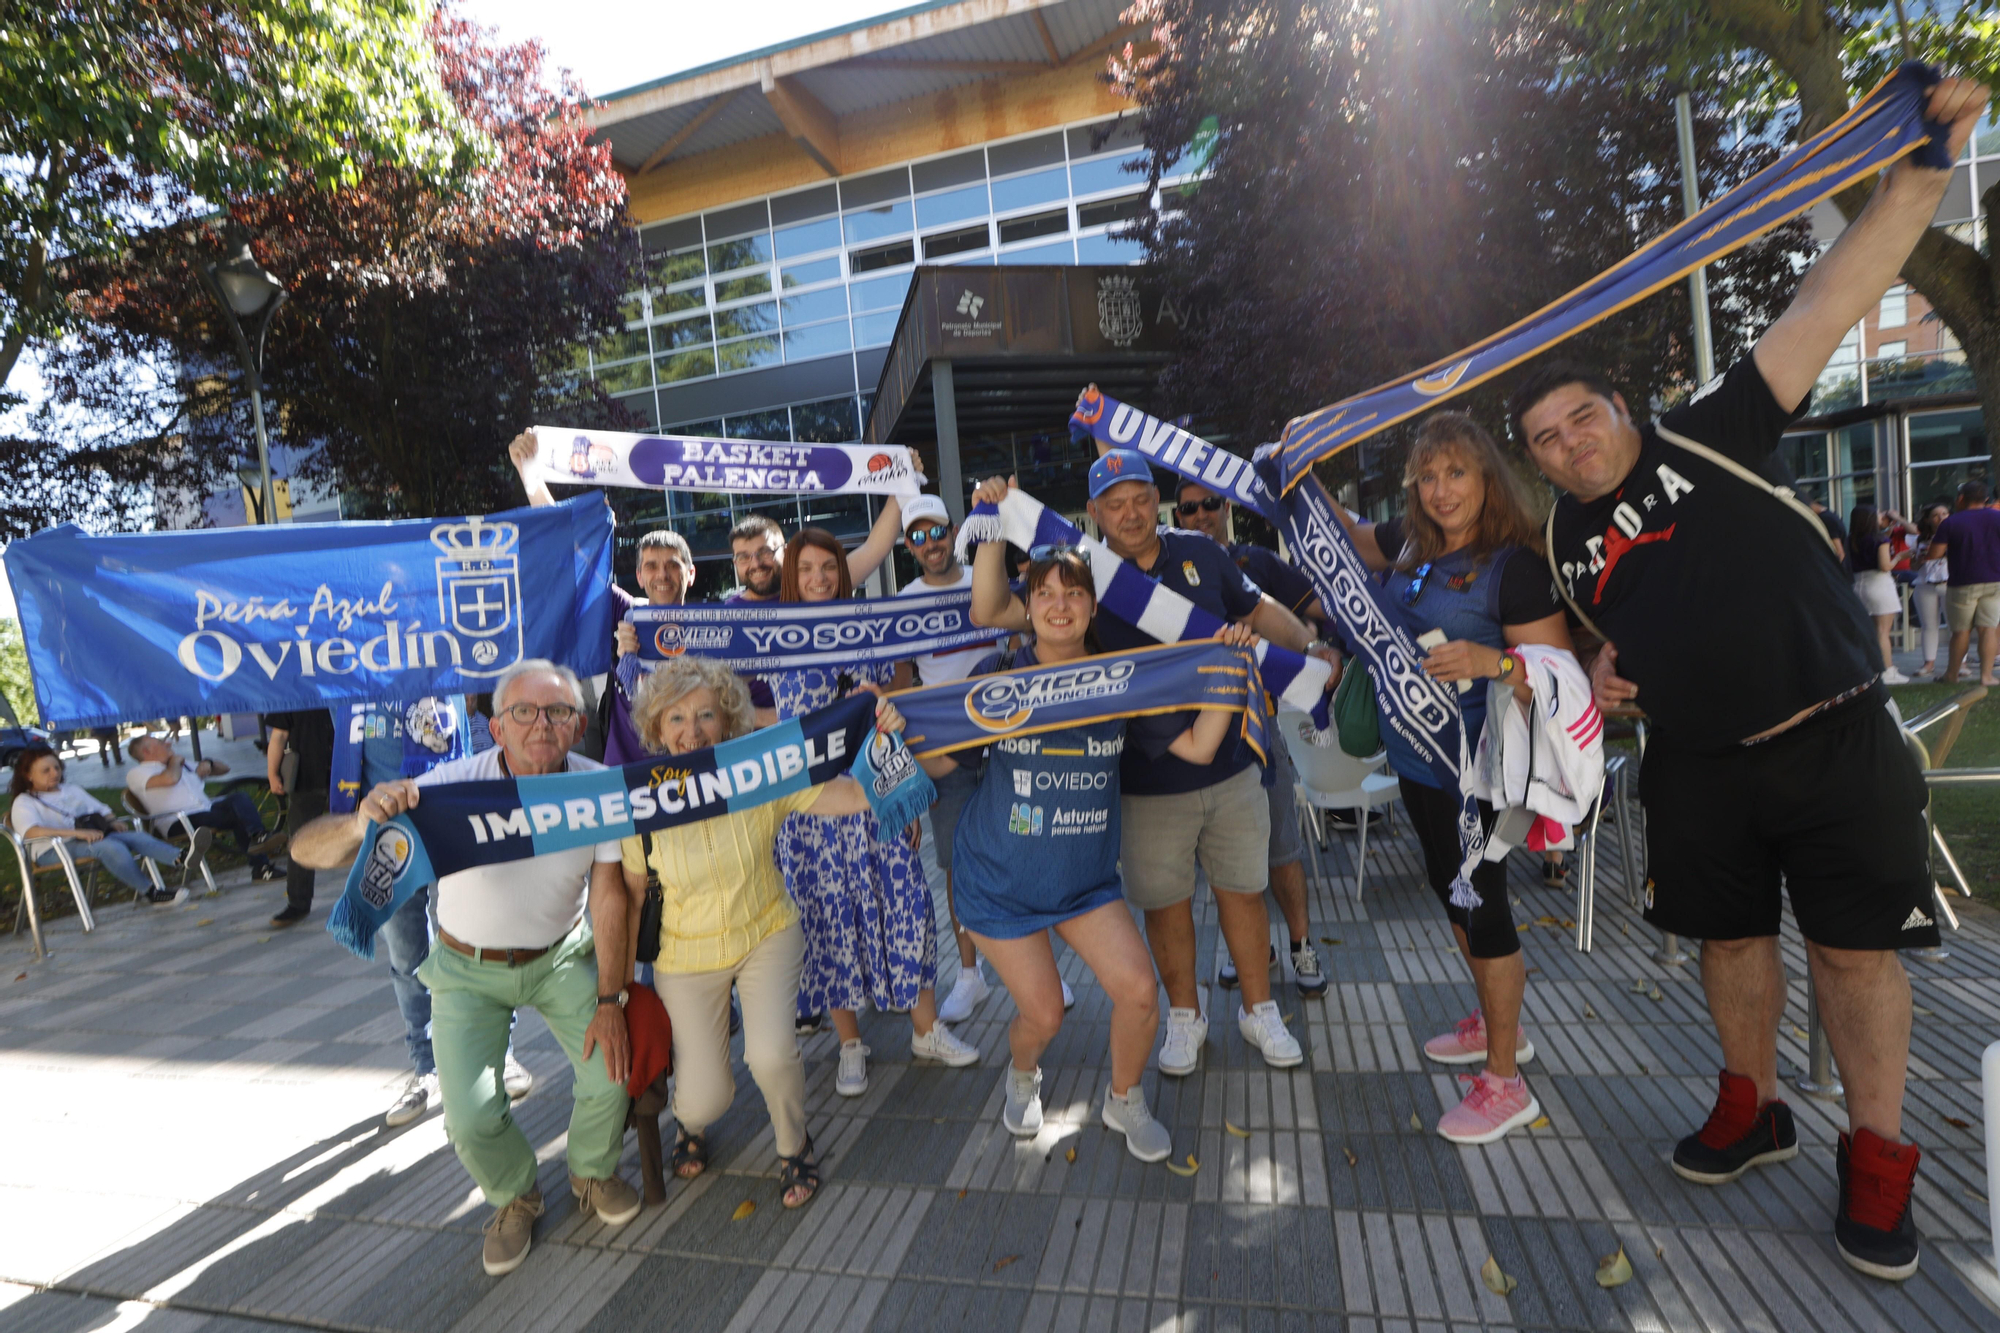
479,591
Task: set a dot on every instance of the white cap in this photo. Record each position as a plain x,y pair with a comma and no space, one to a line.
924,508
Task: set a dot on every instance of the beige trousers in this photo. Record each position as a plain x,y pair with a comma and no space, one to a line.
767,981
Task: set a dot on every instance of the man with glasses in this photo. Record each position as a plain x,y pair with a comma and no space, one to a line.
928,531
1176,815
1198,509
514,936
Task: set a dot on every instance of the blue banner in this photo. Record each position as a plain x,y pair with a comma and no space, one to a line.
269,619
1882,127
766,636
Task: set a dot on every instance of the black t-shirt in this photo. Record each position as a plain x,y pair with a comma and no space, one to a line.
1267,569
1861,558
1527,593
309,732
1200,570
1726,607
1835,527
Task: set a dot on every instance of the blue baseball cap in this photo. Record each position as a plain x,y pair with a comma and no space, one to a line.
1116,466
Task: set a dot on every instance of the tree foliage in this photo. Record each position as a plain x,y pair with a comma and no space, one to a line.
115,113
15,681
1391,184
426,325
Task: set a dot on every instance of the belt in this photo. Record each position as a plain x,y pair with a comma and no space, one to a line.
511,957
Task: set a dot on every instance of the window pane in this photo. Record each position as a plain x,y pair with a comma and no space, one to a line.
1040,224
630,375
816,340
747,353
746,319
621,345
827,422
1936,436
1022,191
686,365
955,242
1040,151
826,303
885,220
875,330
1062,252
682,333
882,256
808,237
667,303
1895,310
739,253
771,425
750,284
880,293
641,406
678,267
939,209
955,170
1104,249
1804,454
1891,351
804,275
804,205
1106,173
1110,210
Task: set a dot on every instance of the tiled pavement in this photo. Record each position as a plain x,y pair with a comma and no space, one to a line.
191,1106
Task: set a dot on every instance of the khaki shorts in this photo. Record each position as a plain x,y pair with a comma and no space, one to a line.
1972,604
1226,828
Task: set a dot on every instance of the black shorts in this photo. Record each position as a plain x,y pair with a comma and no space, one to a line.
1833,809
1489,927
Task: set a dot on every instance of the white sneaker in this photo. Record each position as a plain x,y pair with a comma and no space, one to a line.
852,1080
938,1044
416,1099
966,994
1181,1051
1022,1115
1069,997
1145,1138
1264,1028
1894,677
517,1079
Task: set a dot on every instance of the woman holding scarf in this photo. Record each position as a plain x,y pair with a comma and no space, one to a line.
866,906
1465,561
726,922
1025,865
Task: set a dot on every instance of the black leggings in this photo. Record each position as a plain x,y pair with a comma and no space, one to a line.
1489,927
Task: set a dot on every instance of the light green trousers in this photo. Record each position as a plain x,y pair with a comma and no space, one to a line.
472,1005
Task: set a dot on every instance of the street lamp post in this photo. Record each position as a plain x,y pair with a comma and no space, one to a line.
247,294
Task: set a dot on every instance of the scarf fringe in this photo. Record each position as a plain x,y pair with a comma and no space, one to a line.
981,525
1463,894
355,932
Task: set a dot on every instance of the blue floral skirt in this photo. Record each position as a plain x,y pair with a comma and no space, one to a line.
866,909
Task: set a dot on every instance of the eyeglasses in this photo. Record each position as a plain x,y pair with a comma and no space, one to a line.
1186,508
1050,550
524,715
936,532
1415,588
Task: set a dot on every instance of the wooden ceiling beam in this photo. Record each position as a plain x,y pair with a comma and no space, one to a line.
812,127
688,131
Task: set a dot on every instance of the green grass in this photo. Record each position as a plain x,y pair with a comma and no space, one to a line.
1969,817
55,898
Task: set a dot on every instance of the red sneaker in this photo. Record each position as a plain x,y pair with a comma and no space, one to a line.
1873,1230
1739,1134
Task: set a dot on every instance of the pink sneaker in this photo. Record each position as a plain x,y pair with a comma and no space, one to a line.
1491,1108
1466,1043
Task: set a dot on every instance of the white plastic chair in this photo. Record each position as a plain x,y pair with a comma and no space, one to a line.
165,826
1332,779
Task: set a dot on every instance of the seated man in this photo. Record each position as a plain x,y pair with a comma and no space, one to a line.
514,936
163,784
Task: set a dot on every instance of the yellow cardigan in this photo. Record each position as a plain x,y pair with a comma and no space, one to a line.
721,892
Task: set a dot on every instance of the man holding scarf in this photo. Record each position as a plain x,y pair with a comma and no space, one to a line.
514,935
1176,815
1773,757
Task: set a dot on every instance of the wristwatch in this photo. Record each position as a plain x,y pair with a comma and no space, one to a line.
1507,664
618,999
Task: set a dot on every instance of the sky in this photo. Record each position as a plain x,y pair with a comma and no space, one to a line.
613,44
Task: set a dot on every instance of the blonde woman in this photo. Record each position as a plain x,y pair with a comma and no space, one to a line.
728,922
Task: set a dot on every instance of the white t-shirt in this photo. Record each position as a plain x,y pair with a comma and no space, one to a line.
937,668
190,794
527,904
54,809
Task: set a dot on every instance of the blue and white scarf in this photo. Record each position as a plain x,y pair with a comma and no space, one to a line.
1138,600
769,636
738,467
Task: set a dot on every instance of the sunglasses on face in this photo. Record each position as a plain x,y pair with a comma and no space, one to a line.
1186,508
1415,588
1050,550
523,715
936,532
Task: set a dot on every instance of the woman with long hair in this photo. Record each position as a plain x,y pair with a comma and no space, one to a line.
1466,561
47,805
866,906
1870,559
1019,874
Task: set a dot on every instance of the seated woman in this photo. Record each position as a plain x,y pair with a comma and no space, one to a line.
46,806
727,922
1018,873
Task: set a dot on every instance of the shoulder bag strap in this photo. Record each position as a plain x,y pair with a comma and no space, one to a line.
1562,585
1726,463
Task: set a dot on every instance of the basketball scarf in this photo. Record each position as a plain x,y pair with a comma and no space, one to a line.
768,636
739,467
